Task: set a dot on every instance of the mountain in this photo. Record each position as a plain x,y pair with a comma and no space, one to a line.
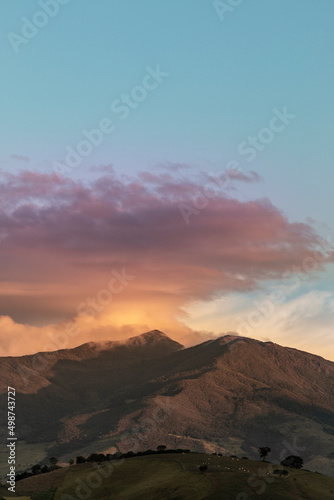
229,395
28,374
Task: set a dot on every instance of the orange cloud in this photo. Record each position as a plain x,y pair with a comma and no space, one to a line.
63,241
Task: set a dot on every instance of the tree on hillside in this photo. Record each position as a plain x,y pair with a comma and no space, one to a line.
53,461
36,469
80,460
71,461
293,461
203,468
161,447
264,452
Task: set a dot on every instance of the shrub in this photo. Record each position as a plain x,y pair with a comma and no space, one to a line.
293,461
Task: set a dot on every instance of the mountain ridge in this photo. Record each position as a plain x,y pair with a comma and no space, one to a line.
149,337
231,395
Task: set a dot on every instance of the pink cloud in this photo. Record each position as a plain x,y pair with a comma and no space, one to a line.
62,237
237,175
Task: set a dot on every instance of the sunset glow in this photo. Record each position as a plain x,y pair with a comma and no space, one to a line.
179,180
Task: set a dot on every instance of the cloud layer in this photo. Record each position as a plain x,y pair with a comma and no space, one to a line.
62,240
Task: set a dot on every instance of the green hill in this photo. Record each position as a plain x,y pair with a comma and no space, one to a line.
177,477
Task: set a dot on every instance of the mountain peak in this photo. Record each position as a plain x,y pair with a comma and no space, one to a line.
153,337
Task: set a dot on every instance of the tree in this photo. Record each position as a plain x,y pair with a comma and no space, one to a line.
36,469
80,460
293,461
93,457
23,475
203,468
264,452
161,447
71,461
53,461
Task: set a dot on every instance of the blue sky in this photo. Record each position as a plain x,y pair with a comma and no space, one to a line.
226,77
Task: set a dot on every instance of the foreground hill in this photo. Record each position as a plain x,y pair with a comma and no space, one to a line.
229,395
177,476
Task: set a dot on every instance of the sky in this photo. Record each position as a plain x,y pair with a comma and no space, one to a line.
166,165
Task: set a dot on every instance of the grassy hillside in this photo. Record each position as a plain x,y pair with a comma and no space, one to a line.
176,476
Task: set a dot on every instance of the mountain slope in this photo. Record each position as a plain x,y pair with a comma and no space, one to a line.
228,395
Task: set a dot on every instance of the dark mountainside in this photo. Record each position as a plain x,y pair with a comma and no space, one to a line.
229,395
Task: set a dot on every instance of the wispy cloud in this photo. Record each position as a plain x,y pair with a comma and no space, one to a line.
20,157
